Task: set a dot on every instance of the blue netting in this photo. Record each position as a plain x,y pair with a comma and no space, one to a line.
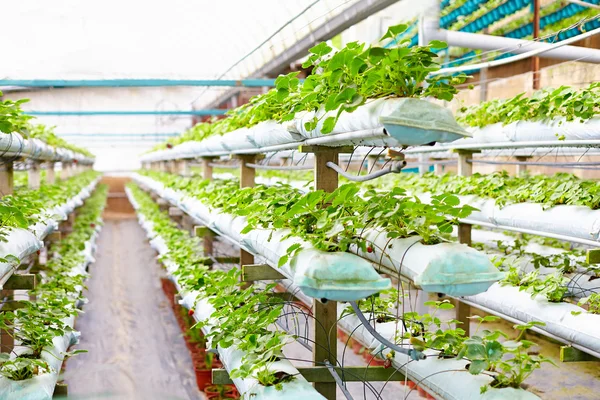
466,9
502,11
563,13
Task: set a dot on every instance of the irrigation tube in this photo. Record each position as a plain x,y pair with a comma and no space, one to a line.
505,145
584,4
508,60
281,167
395,168
412,353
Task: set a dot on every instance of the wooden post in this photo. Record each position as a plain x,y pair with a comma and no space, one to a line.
465,168
521,169
247,176
50,173
34,175
6,178
325,332
207,169
438,169
6,188
536,33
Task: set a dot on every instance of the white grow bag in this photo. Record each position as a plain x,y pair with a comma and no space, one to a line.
576,221
19,243
338,276
231,357
41,387
525,131
449,268
409,121
583,329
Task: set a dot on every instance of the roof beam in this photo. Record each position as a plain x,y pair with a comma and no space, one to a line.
68,83
125,112
330,28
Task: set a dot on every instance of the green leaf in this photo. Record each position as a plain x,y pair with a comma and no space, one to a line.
394,31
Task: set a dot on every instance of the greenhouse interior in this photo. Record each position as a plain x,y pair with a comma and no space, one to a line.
307,199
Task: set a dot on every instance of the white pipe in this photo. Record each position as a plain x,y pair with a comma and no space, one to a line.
584,4
523,48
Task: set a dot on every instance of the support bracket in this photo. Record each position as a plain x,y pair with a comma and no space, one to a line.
260,272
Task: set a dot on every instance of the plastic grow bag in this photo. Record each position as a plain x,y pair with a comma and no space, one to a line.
271,133
575,221
409,121
335,276
11,144
451,268
537,131
582,329
19,243
40,387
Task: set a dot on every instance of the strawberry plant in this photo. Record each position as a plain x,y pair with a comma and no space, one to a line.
546,104
37,323
592,302
341,81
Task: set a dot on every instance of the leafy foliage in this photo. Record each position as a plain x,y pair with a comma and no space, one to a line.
245,315
546,104
561,188
341,81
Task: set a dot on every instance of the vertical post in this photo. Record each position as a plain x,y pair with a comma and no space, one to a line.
483,76
207,169
207,174
6,177
521,169
34,175
438,168
6,188
247,176
325,333
50,173
536,33
423,166
465,168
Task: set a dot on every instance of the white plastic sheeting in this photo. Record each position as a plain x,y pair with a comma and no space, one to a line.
14,145
577,222
450,268
582,330
19,243
444,378
525,131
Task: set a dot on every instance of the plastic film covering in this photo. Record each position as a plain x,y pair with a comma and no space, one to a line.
19,243
574,221
525,131
582,329
451,268
14,145
335,276
409,121
443,378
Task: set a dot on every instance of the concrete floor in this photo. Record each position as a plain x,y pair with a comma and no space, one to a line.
136,350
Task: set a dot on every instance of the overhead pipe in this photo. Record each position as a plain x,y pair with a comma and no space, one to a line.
429,30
